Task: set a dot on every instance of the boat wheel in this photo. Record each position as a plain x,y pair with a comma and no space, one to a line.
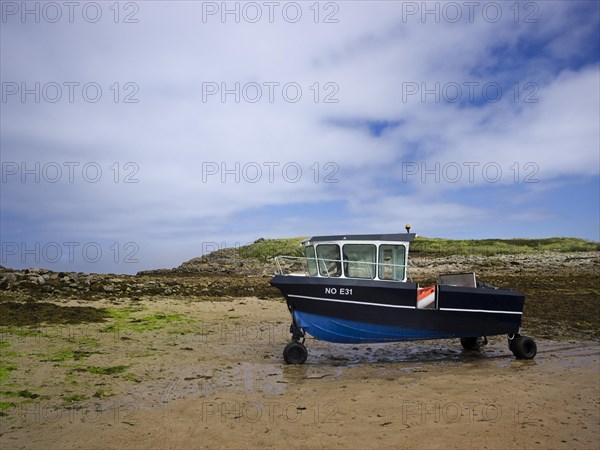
295,353
473,343
523,347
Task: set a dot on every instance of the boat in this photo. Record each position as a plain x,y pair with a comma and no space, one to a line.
355,289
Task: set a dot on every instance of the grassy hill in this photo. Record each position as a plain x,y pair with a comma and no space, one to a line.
264,249
485,247
269,248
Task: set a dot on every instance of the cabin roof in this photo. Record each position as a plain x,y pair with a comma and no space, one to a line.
399,237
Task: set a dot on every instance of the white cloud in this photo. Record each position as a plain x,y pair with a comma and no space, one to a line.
368,55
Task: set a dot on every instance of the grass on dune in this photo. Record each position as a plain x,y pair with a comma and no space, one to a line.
485,247
270,248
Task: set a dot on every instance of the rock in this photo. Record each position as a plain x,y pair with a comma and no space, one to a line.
156,272
46,288
108,288
9,278
226,261
40,280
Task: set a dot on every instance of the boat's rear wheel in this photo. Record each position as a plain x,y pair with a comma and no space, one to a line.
523,347
295,353
473,343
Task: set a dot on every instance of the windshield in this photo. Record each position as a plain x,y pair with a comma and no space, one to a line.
391,262
329,260
309,252
359,260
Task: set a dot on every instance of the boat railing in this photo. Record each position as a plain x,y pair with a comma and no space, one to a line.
332,268
289,265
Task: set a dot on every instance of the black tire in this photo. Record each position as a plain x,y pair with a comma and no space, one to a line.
295,353
472,343
523,347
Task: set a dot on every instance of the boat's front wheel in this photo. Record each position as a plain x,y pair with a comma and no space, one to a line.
473,343
523,347
295,353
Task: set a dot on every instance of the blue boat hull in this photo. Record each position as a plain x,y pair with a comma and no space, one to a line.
352,332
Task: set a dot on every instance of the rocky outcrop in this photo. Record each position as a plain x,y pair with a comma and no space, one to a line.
221,262
31,284
427,267
226,273
229,262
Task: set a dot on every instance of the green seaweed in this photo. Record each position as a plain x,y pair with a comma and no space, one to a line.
124,321
6,405
33,313
5,372
112,370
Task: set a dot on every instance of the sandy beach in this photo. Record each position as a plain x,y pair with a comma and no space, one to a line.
179,373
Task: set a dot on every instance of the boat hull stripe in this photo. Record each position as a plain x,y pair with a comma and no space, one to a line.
481,311
352,301
387,305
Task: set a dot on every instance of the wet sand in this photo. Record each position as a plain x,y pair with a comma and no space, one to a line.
210,375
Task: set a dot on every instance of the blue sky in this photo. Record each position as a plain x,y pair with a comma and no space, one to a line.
137,137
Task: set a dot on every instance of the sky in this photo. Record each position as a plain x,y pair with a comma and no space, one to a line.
138,135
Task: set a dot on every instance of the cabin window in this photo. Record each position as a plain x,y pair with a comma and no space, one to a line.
309,252
359,260
329,260
391,262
